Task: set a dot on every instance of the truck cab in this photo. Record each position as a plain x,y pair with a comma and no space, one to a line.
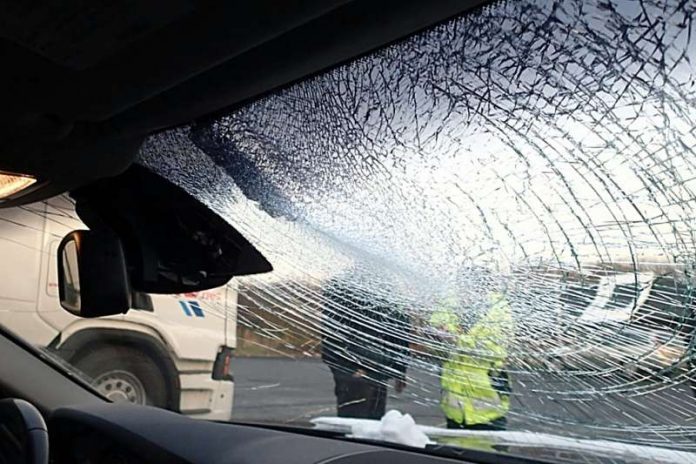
170,351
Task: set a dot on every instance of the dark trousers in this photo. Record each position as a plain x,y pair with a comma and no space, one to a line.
498,424
359,397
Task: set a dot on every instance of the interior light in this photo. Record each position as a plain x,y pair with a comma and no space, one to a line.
11,183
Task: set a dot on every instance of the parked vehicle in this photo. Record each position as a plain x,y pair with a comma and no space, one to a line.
171,351
637,323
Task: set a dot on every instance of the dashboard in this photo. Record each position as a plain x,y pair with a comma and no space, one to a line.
120,433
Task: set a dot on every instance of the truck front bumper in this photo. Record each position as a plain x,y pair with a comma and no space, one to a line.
202,397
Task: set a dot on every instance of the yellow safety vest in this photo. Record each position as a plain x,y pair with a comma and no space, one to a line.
468,394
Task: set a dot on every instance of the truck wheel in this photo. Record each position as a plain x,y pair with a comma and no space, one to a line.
125,374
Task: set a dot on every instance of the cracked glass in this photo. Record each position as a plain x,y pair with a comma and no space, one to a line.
488,225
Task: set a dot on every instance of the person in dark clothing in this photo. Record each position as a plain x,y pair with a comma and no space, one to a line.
365,344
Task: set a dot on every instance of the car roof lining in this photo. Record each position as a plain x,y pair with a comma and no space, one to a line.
89,112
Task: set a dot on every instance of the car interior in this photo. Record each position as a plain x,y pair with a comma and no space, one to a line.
82,86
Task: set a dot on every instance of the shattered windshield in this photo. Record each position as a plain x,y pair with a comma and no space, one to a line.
488,226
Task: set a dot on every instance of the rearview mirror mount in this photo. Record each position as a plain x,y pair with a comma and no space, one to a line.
172,242
92,277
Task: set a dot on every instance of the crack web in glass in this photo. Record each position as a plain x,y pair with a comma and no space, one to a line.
544,148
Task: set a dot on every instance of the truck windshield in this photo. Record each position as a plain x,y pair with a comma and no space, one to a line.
486,227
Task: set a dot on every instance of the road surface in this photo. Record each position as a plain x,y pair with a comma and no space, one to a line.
293,391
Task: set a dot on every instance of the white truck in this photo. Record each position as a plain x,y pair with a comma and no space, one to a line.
173,352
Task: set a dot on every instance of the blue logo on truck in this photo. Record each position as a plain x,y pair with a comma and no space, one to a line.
192,308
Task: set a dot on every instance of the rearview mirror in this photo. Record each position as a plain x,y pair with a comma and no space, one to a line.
92,278
173,243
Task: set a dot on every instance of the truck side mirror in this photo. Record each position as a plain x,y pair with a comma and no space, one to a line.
92,277
141,301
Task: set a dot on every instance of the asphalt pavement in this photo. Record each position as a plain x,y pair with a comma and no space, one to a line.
294,391
290,391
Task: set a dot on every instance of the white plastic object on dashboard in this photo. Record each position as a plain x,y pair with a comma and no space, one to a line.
394,427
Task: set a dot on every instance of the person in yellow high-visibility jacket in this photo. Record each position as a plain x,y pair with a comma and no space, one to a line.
475,384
